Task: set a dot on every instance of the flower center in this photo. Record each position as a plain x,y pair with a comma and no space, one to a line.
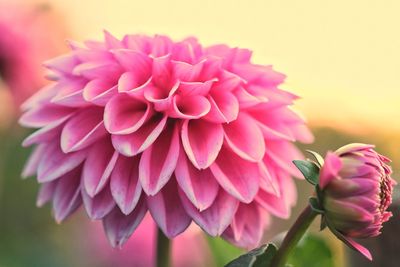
385,193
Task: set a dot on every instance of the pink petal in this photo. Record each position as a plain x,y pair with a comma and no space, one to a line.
247,227
158,161
190,107
111,42
94,70
202,141
135,61
330,169
124,114
238,177
125,185
161,97
133,85
224,107
99,91
119,227
70,94
50,168
45,134
167,210
275,205
246,99
161,45
268,180
34,159
98,166
45,114
195,88
85,128
200,187
62,64
138,42
67,197
135,143
187,72
245,138
46,193
41,97
161,71
100,205
215,219
352,244
281,154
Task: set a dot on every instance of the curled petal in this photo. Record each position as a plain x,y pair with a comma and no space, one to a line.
132,85
192,107
99,91
135,143
85,128
124,115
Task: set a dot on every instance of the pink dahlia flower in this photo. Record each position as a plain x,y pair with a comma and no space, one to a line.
29,34
186,132
357,190
187,249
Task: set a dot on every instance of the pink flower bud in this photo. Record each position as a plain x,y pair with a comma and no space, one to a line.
356,192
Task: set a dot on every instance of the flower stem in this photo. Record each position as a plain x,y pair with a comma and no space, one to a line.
163,249
294,235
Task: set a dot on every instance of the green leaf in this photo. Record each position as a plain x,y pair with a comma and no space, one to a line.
312,251
314,203
259,257
223,251
309,169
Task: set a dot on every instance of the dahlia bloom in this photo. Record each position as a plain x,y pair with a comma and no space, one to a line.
29,34
188,249
357,190
186,132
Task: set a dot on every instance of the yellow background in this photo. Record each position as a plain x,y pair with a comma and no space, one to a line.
342,57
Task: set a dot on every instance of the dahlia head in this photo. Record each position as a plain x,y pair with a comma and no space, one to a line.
186,132
354,192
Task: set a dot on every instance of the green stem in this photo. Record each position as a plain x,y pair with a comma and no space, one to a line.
163,249
294,235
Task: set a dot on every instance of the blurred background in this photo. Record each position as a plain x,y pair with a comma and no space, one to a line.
342,57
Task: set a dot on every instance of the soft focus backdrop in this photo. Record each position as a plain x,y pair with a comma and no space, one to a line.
342,57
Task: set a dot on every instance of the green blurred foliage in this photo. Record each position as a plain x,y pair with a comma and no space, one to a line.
223,251
28,235
312,251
